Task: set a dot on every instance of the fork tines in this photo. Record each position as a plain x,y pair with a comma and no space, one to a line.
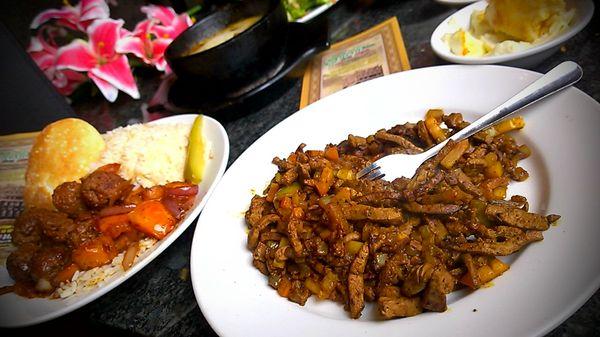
370,172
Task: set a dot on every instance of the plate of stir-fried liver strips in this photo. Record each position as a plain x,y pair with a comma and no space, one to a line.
491,230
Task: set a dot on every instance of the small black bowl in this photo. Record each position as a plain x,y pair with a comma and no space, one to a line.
237,65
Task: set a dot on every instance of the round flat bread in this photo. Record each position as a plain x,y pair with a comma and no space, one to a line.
63,151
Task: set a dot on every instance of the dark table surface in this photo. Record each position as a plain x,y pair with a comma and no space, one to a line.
159,300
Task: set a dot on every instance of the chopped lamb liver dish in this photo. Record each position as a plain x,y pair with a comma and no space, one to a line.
318,231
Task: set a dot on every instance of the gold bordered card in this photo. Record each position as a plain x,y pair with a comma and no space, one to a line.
376,52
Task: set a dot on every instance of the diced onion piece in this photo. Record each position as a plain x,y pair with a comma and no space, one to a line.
181,191
313,286
353,246
287,191
494,170
43,285
130,255
116,210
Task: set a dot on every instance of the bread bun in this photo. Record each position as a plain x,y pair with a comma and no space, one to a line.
63,151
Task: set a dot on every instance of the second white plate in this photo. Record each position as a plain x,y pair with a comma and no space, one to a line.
547,281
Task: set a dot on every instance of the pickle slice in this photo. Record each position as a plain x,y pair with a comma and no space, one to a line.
196,156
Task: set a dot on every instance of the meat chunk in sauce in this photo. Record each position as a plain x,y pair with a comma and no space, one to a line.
18,262
55,225
67,198
48,261
26,227
35,223
84,230
101,189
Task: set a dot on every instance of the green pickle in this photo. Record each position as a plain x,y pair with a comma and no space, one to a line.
194,164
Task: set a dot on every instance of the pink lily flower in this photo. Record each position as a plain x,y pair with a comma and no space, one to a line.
151,37
77,17
171,24
144,44
43,54
108,69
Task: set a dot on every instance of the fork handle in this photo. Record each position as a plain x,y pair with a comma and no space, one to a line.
560,77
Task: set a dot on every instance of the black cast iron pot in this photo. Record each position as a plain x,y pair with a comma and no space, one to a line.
237,65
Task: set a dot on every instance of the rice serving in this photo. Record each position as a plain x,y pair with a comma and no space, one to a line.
149,154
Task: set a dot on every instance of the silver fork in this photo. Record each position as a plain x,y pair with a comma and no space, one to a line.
405,165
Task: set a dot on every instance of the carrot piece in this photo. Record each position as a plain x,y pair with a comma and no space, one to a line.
325,181
331,153
94,253
298,212
114,225
486,273
286,202
152,218
284,287
66,274
467,280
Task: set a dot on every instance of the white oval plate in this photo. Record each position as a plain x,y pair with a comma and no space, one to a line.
16,311
547,282
525,58
455,2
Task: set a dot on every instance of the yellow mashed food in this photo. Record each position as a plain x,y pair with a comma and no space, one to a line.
507,26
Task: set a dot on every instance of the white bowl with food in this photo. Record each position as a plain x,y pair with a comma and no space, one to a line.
309,13
468,37
98,208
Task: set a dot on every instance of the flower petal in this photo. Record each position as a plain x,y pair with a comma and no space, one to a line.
165,15
73,80
35,45
43,60
104,34
131,44
178,25
158,53
118,73
93,10
162,32
109,91
67,13
142,28
59,80
181,23
161,95
77,55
